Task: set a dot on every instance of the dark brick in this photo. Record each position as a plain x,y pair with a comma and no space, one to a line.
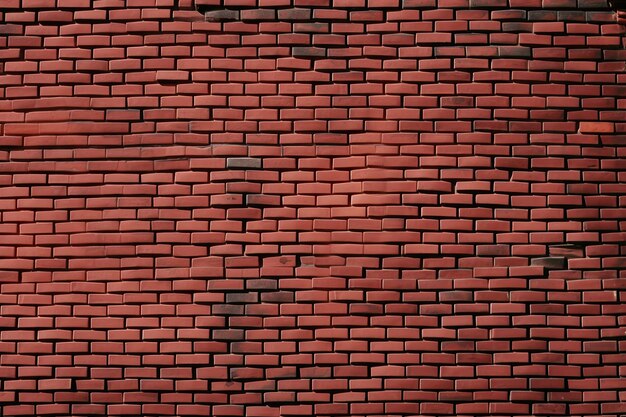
249,163
204,6
493,250
11,29
488,4
542,15
261,284
258,14
227,309
567,251
262,200
599,4
277,297
509,14
308,51
294,14
418,4
552,262
456,296
366,309
572,16
517,27
246,374
514,51
242,297
311,27
220,15
228,334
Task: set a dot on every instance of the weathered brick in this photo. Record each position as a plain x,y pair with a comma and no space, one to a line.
245,163
567,251
552,262
312,207
258,14
300,14
222,14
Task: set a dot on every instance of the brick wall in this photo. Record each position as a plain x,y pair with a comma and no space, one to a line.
374,208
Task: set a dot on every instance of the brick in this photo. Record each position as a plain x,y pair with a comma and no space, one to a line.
221,15
246,163
299,14
554,262
308,51
597,127
258,14
488,4
172,76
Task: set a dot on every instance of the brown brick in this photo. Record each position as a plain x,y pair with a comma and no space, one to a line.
249,163
220,15
551,262
308,51
567,251
294,14
258,14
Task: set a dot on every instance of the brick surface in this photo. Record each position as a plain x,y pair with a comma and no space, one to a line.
274,208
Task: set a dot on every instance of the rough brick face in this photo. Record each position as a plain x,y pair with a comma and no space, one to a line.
271,208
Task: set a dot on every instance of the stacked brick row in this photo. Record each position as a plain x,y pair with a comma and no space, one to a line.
311,207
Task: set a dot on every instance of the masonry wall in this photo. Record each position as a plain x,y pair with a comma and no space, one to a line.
277,208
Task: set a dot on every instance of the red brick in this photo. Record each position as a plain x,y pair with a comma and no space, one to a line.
365,226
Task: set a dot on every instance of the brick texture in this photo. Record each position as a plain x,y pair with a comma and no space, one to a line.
271,208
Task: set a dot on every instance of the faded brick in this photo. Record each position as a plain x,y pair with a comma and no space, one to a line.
262,200
514,51
220,15
294,14
243,297
456,296
227,309
228,334
262,284
552,262
248,163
